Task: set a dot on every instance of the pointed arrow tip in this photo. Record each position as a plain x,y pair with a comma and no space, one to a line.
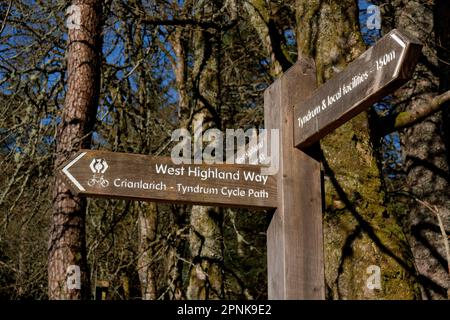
400,60
72,179
398,40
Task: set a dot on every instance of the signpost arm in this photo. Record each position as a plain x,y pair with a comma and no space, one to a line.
377,72
294,237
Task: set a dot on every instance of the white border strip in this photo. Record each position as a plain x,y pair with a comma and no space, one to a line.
70,176
403,45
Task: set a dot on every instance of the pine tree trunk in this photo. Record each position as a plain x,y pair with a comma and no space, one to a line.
67,247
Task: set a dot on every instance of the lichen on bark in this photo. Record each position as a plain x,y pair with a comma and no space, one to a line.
206,245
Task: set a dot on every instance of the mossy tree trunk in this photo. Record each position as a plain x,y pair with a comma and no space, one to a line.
259,16
147,219
426,145
205,237
359,230
206,244
205,275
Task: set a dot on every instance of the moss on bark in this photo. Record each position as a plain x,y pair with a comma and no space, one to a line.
359,230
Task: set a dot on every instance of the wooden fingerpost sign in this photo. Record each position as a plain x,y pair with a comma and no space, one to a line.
118,175
376,73
294,194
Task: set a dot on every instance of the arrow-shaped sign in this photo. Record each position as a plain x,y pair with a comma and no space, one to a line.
139,177
376,73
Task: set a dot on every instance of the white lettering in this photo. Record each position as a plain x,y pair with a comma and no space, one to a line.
253,176
181,153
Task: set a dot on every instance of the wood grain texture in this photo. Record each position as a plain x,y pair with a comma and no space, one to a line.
294,237
377,72
127,174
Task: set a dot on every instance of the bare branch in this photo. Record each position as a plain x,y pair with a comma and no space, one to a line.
6,17
435,210
410,118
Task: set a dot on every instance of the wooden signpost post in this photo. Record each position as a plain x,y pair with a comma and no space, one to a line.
294,237
294,195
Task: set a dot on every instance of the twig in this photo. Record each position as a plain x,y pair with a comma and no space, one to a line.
435,210
6,16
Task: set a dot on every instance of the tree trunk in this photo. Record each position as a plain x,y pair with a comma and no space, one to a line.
426,145
206,243
259,16
174,266
205,239
359,231
147,212
67,247
148,216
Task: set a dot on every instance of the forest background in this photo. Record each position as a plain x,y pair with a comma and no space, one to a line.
140,69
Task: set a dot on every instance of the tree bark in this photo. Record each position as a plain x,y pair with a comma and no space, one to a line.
67,246
174,266
148,216
259,16
206,244
358,229
426,145
205,238
147,212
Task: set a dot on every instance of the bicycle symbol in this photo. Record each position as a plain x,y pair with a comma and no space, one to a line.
98,180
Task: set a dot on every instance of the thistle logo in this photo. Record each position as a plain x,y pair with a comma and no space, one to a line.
98,168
